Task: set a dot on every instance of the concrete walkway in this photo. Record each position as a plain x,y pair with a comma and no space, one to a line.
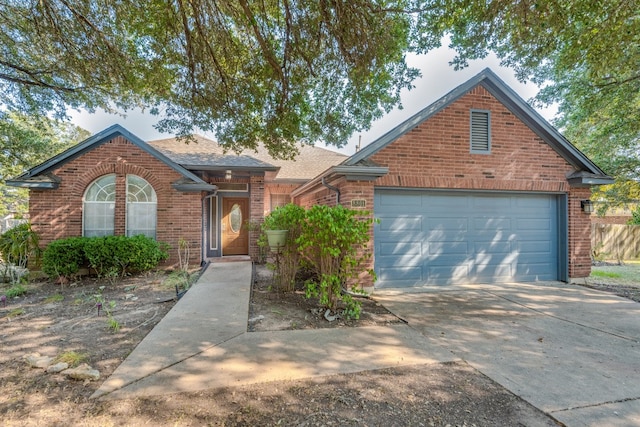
203,343
570,351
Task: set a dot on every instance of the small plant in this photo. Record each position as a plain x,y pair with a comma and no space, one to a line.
15,312
113,324
54,298
16,291
182,279
183,254
71,358
112,274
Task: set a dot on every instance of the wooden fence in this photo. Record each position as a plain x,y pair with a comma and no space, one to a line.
615,241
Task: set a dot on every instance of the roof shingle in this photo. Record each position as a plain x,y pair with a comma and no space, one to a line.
206,153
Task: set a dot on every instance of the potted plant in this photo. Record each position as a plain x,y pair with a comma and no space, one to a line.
276,239
281,229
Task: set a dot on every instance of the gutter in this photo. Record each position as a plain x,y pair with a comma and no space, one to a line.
351,173
332,188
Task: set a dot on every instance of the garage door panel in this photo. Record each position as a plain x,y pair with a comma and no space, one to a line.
406,199
539,204
400,223
532,247
451,203
498,272
489,203
448,248
401,248
465,237
533,224
448,274
447,224
400,276
491,225
493,247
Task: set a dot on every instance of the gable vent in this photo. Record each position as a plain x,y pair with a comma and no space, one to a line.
480,131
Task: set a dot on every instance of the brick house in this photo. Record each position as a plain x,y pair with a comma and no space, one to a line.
477,187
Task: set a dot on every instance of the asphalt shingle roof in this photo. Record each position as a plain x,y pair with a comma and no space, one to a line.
205,153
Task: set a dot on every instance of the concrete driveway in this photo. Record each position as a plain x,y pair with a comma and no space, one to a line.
568,350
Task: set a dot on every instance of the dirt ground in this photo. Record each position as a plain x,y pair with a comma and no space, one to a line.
55,321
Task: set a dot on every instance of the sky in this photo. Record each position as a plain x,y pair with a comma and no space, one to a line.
438,78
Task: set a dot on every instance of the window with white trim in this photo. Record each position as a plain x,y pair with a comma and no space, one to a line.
480,131
141,207
99,203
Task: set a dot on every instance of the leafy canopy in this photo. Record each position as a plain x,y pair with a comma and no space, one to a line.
283,71
586,54
275,71
26,141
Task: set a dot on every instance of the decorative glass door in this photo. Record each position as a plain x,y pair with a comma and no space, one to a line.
235,236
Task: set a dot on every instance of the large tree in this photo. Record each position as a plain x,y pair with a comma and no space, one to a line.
26,141
287,71
585,54
274,71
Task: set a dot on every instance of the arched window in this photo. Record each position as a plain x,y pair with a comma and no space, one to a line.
141,207
99,207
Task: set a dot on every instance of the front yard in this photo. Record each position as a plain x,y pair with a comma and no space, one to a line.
63,322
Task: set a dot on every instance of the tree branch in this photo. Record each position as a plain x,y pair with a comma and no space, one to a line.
266,50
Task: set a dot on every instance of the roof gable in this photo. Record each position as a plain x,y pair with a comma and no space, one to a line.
510,99
40,176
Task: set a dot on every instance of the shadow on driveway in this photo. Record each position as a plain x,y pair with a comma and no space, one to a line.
572,352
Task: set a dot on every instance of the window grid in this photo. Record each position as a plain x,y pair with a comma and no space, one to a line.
141,207
98,213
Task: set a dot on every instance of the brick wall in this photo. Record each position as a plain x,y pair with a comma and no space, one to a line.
276,188
256,213
579,235
436,154
57,214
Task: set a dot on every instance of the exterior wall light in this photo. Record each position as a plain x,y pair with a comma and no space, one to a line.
587,206
227,175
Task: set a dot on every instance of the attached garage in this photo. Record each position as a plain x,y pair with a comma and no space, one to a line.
475,188
454,237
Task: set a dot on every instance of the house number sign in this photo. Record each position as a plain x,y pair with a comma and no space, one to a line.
358,203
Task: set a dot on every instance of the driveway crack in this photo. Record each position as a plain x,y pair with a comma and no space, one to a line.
595,405
624,337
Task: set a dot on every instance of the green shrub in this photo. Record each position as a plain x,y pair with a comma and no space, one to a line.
109,256
146,253
333,242
635,217
64,257
121,254
289,217
17,246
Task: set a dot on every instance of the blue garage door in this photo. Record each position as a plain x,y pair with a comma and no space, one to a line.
442,238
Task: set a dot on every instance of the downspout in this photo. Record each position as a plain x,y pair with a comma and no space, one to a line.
332,188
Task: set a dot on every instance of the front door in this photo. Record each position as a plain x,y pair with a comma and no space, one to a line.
235,235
